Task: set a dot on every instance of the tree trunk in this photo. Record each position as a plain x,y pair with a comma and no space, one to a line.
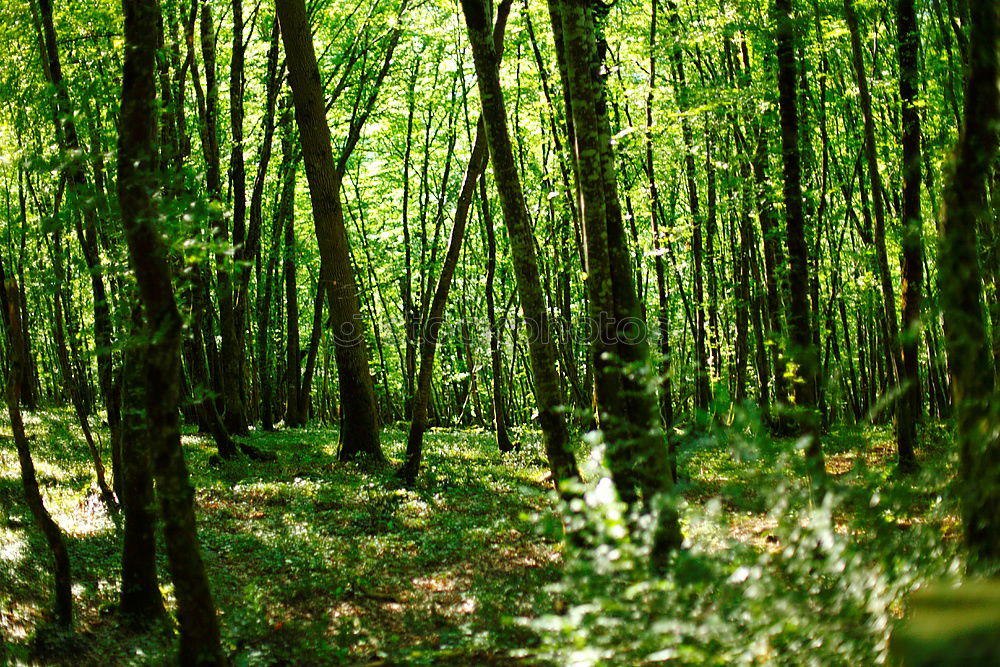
199,627
800,337
359,432
703,385
909,48
233,357
663,316
504,443
637,453
905,426
961,297
522,244
140,599
228,377
435,316
292,359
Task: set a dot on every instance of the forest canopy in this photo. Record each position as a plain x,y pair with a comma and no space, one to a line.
436,332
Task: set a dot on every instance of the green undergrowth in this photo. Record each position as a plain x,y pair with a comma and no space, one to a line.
315,562
772,573
311,561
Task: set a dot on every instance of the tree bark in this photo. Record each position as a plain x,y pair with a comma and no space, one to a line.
359,432
137,179
541,347
961,288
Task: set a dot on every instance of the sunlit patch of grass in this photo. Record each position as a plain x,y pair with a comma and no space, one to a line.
317,562
313,561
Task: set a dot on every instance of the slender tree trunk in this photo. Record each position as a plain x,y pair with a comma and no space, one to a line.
663,304
663,316
255,214
234,358
702,372
137,179
801,339
540,345
504,443
63,582
435,316
905,425
909,48
292,360
72,379
411,318
228,378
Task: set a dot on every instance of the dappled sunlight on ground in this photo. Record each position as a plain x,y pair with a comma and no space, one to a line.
317,562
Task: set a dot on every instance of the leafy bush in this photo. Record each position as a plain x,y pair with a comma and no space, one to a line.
825,587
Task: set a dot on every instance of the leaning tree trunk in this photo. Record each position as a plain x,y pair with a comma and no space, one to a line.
541,347
137,175
905,427
359,431
29,481
435,316
961,297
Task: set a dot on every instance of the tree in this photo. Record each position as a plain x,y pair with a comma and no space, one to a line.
913,262
429,336
140,601
522,245
801,341
961,287
137,180
905,424
625,397
359,434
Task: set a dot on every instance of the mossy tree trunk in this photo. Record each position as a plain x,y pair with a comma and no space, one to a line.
541,346
137,181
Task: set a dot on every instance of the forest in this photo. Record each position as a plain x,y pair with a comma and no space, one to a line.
483,332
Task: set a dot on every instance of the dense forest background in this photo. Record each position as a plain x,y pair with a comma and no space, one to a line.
698,299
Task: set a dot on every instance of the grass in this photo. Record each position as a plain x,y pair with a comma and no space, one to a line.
316,562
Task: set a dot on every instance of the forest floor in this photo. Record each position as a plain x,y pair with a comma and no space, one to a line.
317,562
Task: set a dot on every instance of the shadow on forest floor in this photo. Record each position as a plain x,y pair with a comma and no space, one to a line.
311,561
317,562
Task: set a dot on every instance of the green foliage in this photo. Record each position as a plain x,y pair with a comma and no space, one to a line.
311,561
798,583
